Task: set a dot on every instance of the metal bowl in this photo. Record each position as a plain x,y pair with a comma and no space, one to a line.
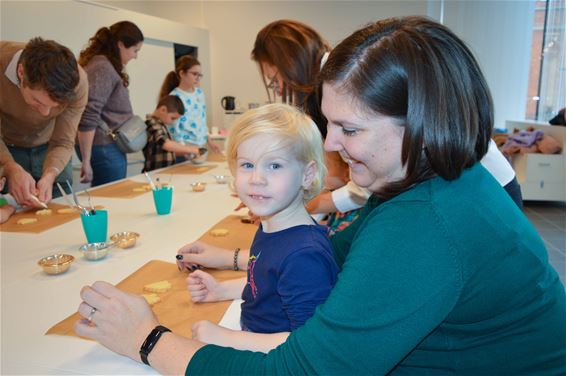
222,179
56,264
125,239
198,186
94,251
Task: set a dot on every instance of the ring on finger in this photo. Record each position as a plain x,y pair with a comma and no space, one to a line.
92,312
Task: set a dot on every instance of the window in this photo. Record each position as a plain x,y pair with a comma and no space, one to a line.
547,78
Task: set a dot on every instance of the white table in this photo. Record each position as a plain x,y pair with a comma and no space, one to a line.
32,301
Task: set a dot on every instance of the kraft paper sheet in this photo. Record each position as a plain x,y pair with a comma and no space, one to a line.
187,168
123,189
43,223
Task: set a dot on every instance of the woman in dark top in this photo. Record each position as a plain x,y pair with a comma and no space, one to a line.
441,274
104,60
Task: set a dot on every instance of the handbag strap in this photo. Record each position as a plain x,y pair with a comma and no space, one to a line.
107,130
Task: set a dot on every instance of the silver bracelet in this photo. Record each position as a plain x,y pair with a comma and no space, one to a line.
236,251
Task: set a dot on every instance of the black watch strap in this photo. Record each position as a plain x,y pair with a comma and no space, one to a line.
150,342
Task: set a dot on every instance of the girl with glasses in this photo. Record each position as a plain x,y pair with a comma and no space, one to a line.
190,128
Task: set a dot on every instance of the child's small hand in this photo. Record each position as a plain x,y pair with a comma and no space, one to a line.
5,212
200,253
207,332
203,287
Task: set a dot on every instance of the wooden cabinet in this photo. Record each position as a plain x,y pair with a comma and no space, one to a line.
542,176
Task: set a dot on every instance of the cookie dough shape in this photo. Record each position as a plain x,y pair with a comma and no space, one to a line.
219,232
65,211
26,221
161,286
44,212
143,188
151,299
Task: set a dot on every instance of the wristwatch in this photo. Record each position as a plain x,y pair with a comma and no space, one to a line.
150,342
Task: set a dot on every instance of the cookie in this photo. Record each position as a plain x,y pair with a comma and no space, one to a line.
66,211
26,221
219,232
161,286
44,212
151,299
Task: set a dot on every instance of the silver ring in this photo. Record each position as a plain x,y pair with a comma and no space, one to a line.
92,311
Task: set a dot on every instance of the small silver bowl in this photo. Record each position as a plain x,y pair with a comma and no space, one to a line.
56,264
198,186
125,239
221,179
94,251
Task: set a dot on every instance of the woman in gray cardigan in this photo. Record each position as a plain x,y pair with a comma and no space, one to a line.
104,60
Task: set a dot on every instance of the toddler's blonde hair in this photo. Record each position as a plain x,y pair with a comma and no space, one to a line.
289,128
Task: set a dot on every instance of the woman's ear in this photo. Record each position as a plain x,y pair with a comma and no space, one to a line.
309,174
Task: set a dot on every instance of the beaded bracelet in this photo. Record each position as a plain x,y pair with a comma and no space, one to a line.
236,251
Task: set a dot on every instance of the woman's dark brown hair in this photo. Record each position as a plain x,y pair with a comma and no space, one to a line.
419,72
105,42
172,80
296,50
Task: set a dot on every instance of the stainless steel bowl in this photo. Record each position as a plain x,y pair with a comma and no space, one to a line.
56,264
198,186
125,239
95,251
221,179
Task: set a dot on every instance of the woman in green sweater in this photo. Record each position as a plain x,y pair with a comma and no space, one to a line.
441,274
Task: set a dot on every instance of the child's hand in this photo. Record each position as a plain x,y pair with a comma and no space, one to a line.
204,288
200,253
207,332
5,212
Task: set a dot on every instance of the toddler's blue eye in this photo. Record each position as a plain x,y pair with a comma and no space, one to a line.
275,166
246,165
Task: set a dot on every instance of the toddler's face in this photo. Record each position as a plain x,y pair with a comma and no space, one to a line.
268,180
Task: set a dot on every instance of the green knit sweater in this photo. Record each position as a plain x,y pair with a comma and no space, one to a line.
448,277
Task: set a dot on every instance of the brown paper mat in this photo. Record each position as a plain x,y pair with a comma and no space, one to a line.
43,222
187,169
123,189
176,310
216,157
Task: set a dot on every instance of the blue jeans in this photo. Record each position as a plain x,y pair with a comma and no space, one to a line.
31,160
108,164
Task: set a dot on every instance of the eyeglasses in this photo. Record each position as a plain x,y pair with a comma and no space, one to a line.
197,74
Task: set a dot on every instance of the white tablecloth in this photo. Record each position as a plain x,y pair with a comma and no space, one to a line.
32,301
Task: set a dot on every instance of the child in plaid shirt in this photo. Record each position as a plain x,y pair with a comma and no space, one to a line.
161,149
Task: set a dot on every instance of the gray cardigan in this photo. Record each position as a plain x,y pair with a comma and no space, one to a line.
108,99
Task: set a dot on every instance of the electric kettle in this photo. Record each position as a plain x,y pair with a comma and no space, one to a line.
228,103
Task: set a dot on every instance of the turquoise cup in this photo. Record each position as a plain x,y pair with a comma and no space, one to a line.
95,226
163,198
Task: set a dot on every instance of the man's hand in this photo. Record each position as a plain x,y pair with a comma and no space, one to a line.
45,185
21,184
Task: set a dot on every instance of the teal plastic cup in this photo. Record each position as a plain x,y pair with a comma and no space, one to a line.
163,198
95,226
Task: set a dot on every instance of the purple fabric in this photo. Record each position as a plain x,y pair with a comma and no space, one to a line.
524,138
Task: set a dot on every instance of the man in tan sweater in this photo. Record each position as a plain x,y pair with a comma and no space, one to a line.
43,93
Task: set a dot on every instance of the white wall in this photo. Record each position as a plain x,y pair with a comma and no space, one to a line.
72,23
500,36
233,26
499,33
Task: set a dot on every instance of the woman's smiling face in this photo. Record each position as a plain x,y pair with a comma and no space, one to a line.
371,144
